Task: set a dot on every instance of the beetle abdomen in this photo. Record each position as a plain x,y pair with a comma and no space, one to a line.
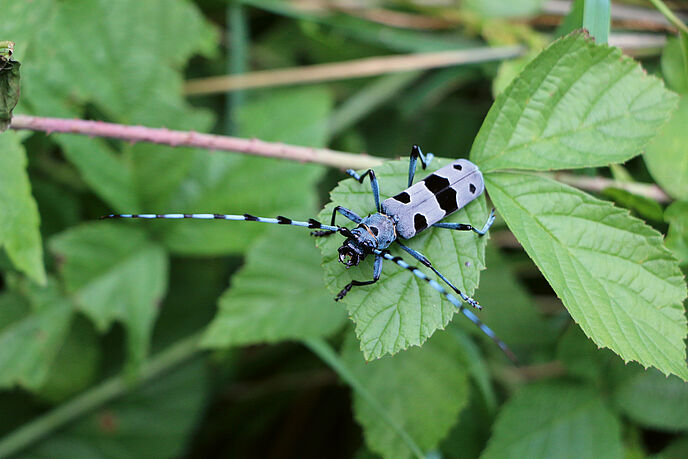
436,196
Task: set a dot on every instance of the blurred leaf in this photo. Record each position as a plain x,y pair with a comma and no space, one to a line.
620,173
677,449
666,155
114,273
654,400
580,355
476,366
576,105
645,208
422,389
509,309
572,21
501,9
154,421
278,294
596,19
470,434
9,90
124,60
19,219
401,310
673,66
32,331
58,206
226,183
102,169
612,272
552,420
195,284
436,87
508,71
112,54
677,236
370,97
394,38
75,366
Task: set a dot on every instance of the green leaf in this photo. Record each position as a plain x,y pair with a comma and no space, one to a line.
555,420
470,434
114,55
572,21
225,183
580,356
76,364
677,449
612,272
123,60
9,90
509,310
31,334
596,19
363,30
674,69
103,170
645,208
278,294
677,236
653,400
401,310
576,105
666,156
500,9
19,219
154,421
115,273
423,390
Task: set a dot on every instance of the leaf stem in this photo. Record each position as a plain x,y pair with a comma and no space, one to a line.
323,350
357,68
95,397
671,17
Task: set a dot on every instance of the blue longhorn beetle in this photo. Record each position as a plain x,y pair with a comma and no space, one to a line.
418,207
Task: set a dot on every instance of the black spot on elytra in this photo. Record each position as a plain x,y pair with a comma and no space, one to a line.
447,200
472,188
435,183
458,167
283,220
419,222
374,230
403,197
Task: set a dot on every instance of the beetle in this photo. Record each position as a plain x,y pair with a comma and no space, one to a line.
413,210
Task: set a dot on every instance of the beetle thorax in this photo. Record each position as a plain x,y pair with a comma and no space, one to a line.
376,231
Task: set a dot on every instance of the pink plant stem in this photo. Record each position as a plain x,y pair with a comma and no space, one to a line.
193,139
258,147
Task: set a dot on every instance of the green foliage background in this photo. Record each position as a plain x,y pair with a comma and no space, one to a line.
220,339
